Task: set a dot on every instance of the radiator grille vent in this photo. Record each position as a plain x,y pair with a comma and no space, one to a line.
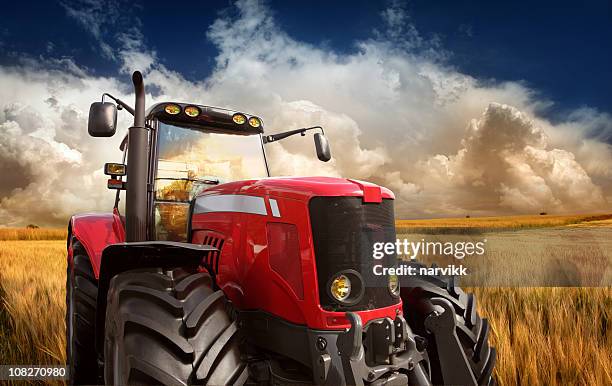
211,259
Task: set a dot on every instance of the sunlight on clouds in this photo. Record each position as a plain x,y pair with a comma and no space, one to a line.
394,112
504,155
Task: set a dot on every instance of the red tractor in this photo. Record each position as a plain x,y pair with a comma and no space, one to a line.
219,274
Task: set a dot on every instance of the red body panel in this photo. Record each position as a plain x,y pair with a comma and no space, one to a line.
302,188
95,231
243,270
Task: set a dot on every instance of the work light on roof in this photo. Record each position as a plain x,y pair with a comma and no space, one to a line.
192,111
239,119
172,109
254,122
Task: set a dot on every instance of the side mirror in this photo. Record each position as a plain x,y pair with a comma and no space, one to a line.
102,119
322,146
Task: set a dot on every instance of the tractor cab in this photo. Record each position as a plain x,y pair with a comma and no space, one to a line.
188,149
194,148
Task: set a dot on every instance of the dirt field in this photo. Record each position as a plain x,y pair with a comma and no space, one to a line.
543,335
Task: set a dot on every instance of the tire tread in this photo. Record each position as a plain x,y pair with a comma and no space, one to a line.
472,330
80,353
174,314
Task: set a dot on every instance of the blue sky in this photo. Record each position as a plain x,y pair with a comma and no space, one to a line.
559,49
479,108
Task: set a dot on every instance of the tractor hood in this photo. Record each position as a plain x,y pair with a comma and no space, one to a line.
304,188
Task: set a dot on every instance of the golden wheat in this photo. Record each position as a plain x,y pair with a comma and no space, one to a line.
33,233
32,277
542,335
502,222
550,336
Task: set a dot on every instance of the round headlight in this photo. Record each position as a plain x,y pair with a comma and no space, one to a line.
172,109
394,285
192,111
239,119
341,287
254,122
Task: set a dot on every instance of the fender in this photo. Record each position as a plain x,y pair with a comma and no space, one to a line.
121,257
95,231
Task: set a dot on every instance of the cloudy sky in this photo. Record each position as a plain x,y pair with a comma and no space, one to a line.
458,108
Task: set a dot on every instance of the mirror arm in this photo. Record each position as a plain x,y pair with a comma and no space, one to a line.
279,136
121,103
123,145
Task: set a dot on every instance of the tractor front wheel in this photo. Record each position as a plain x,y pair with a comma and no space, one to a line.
81,292
463,334
172,328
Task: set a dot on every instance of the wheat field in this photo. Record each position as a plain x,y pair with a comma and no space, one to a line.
483,224
542,335
32,278
33,234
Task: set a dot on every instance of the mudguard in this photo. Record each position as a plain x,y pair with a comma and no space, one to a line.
95,231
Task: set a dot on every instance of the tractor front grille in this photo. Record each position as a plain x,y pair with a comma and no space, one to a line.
344,230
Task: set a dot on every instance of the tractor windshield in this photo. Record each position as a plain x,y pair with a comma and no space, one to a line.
189,161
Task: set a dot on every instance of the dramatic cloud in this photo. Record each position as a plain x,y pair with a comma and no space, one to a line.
50,167
395,112
505,164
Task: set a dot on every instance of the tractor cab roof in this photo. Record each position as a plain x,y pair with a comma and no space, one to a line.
205,118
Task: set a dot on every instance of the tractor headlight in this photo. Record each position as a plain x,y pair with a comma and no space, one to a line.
341,287
239,119
114,169
346,287
394,285
254,122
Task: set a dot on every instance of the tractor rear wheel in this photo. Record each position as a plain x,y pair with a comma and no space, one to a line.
471,329
170,327
81,293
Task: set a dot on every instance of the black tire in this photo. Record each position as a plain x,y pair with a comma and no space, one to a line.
472,330
170,328
81,293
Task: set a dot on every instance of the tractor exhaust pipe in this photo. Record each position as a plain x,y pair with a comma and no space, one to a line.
137,168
